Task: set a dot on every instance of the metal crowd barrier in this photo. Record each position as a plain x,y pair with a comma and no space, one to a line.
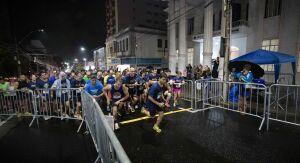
71,103
187,90
245,98
107,145
283,104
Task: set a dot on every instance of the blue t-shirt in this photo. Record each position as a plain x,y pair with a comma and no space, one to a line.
52,79
43,84
94,89
32,85
156,93
89,81
153,77
177,81
130,80
141,81
111,80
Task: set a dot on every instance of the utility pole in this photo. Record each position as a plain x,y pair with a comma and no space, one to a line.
17,58
227,13
227,36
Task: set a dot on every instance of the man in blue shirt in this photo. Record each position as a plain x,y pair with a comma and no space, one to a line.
155,102
95,88
131,83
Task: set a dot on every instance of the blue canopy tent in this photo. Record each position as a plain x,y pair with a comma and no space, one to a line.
262,57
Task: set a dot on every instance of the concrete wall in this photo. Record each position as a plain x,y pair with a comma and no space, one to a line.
289,30
147,46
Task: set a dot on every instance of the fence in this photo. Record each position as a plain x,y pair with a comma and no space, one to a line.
283,104
187,92
107,145
278,102
66,104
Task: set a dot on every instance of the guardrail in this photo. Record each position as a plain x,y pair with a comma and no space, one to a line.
74,104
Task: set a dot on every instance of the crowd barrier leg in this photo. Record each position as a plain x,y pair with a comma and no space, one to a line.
35,112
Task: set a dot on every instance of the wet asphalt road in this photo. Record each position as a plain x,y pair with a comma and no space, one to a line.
211,136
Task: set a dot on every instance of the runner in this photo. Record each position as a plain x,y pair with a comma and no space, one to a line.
177,81
154,102
119,94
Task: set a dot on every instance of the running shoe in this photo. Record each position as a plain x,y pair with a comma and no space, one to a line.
131,109
157,129
117,126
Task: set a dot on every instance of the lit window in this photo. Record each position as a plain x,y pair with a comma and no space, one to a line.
271,45
190,55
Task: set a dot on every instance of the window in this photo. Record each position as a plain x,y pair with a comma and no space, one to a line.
149,21
272,8
191,26
115,46
126,44
156,22
149,12
177,30
123,45
190,55
159,43
133,9
271,45
298,63
166,43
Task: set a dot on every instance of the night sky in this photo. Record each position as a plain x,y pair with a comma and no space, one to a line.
68,24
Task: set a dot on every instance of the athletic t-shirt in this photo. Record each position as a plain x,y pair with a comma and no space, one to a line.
111,80
141,81
153,77
32,85
177,82
94,89
131,80
117,94
155,92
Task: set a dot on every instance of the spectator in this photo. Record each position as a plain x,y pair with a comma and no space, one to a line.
189,70
215,72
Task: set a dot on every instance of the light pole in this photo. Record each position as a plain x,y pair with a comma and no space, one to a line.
84,59
17,58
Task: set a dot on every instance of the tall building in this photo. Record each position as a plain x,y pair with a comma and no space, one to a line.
194,28
136,32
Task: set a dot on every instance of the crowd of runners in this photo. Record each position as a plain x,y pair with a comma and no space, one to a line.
118,93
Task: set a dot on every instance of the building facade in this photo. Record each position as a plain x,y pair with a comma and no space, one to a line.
99,58
136,32
194,28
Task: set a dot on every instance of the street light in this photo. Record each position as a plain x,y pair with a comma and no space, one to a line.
84,59
75,60
82,49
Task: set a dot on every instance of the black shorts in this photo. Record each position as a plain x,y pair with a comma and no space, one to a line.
63,98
